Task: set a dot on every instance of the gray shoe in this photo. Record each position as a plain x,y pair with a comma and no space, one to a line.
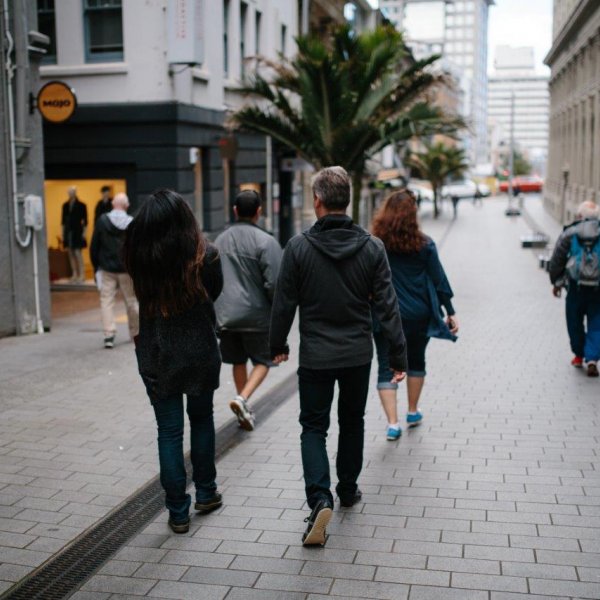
244,415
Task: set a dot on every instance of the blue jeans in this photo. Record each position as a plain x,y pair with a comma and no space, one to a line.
169,420
583,305
316,388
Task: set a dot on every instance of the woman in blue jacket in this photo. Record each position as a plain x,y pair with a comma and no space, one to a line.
422,289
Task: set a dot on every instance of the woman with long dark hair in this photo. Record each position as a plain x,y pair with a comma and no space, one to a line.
422,289
177,276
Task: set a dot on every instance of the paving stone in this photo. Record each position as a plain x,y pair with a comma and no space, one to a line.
251,594
392,559
354,571
463,565
187,591
197,559
267,565
220,576
122,568
440,593
565,588
499,553
413,576
349,588
489,582
118,585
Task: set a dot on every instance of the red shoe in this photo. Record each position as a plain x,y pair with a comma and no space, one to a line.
577,362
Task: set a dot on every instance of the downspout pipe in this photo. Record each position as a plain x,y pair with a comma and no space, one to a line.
22,241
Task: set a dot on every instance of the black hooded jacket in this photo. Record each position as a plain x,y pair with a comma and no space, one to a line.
335,273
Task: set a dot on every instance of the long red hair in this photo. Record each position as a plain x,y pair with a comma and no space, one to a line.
396,225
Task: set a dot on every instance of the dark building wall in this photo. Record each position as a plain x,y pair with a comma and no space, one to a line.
149,146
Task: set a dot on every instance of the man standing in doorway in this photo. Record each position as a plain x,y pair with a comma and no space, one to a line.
106,252
74,222
104,205
250,258
334,273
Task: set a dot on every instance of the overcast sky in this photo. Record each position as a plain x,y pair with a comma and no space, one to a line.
519,23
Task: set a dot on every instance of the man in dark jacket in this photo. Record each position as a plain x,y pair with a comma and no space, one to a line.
583,297
106,252
104,205
334,273
250,258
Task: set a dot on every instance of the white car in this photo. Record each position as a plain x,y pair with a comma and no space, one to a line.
459,189
422,192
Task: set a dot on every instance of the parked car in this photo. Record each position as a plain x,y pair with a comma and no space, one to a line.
421,192
464,188
526,183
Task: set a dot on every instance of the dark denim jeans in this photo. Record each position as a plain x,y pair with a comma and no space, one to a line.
583,312
169,419
316,388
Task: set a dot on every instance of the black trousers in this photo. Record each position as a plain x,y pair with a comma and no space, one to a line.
316,396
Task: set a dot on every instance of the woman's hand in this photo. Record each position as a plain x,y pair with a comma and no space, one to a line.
452,323
398,376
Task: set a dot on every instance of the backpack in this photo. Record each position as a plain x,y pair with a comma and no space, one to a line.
583,265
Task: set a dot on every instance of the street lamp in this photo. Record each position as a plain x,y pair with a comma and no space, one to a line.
511,211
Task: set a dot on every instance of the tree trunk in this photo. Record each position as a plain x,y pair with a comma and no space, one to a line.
436,210
356,189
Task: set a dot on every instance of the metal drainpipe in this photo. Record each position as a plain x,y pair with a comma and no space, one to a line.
24,243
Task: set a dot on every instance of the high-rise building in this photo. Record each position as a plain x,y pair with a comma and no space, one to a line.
515,77
458,29
574,150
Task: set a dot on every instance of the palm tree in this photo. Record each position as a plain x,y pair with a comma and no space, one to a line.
435,164
340,101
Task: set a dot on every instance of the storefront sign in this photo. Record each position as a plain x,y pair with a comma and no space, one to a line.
56,102
185,40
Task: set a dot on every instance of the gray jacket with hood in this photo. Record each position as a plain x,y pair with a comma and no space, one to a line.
335,273
250,258
106,249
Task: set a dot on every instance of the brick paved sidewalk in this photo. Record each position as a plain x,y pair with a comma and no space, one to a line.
77,436
495,497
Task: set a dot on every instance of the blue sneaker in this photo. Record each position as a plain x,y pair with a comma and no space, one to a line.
414,419
393,434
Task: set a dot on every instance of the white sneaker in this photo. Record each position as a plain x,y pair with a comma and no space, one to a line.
244,415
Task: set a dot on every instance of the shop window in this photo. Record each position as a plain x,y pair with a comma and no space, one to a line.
47,25
103,21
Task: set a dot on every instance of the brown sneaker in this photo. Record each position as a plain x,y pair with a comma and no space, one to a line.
592,369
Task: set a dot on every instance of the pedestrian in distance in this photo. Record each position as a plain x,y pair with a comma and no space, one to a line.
455,199
575,265
104,205
74,221
334,272
250,258
477,196
177,277
422,289
106,253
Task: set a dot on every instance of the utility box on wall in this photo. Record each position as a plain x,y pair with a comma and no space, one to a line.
185,41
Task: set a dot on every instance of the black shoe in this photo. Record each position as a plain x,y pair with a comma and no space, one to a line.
315,534
109,342
208,505
592,369
349,501
179,527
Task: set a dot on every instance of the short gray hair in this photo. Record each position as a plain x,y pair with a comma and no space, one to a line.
121,201
331,186
588,210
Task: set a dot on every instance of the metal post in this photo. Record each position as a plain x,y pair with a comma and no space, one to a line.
269,184
511,157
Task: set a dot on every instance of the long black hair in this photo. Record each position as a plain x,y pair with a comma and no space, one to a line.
164,252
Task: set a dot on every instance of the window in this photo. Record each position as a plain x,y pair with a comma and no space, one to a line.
243,15
103,30
283,38
257,32
47,26
226,38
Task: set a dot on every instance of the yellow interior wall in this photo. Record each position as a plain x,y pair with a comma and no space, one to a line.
88,191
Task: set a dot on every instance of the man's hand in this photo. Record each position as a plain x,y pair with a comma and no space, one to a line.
557,291
452,323
398,376
280,358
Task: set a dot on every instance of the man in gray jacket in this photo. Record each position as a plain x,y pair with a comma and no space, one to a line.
250,258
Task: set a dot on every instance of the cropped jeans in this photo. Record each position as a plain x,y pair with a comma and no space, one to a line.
170,423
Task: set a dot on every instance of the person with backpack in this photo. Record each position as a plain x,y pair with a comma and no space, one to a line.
575,264
177,276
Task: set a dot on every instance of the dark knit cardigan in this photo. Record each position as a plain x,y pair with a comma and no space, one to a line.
180,354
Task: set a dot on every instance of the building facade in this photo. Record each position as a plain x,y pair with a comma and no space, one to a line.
515,80
155,82
459,30
24,294
574,150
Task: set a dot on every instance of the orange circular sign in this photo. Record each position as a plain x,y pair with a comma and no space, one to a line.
56,101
